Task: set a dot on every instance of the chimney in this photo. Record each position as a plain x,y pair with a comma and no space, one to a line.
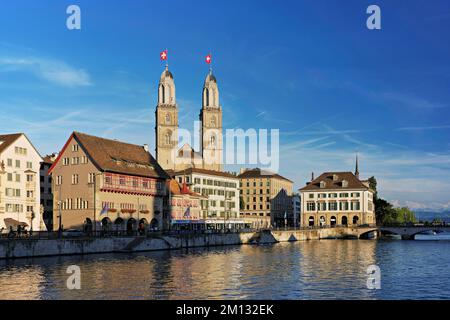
146,147
312,176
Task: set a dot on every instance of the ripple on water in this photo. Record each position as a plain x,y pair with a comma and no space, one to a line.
331,269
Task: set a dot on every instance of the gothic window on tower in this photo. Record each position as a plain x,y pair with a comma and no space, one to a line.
213,141
207,97
168,138
162,93
213,121
168,118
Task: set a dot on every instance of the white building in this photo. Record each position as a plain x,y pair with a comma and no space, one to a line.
222,190
337,199
19,183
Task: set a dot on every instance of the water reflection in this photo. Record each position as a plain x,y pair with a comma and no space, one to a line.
327,269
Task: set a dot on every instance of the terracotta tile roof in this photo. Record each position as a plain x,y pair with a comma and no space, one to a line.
258,173
120,157
201,171
335,184
8,139
177,189
49,159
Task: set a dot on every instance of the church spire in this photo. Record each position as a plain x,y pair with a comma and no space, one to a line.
356,167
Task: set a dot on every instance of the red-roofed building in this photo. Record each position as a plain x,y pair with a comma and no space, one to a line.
337,199
107,184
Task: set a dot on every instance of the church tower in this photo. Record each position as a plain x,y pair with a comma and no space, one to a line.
166,126
211,131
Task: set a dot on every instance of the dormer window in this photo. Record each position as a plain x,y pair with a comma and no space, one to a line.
344,183
322,184
335,177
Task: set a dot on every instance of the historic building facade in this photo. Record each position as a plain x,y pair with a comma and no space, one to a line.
184,207
19,183
337,199
46,190
265,198
168,153
220,207
105,184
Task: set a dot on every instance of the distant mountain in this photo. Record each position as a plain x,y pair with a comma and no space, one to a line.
426,215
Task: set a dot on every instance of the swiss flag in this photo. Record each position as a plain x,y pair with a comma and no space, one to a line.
163,55
208,59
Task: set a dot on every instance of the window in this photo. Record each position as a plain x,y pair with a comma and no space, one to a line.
332,206
311,195
168,138
75,179
9,162
75,148
30,178
168,118
91,177
65,161
17,163
84,160
311,206
29,165
59,180
17,177
75,160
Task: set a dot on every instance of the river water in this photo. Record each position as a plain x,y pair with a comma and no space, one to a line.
325,269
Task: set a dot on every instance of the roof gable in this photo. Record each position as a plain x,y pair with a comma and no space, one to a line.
335,180
117,157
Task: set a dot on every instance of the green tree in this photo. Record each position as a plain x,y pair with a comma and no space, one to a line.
384,212
373,186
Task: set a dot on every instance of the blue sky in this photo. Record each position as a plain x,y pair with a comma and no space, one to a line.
309,68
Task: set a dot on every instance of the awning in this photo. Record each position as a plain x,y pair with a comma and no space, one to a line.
14,223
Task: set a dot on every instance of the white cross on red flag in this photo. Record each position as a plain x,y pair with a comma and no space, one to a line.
163,55
208,59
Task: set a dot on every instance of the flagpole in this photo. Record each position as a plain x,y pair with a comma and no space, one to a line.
210,64
167,59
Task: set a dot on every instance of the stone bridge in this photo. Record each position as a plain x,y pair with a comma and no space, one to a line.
408,233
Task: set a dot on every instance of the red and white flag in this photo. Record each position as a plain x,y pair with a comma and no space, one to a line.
163,55
208,59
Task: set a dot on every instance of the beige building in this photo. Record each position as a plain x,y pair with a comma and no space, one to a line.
265,198
220,208
168,153
19,183
107,184
337,199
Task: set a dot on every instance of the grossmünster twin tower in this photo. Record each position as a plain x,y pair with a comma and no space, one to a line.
168,154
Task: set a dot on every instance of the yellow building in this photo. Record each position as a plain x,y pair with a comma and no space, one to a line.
105,184
265,198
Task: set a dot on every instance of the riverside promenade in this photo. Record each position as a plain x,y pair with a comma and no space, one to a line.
26,248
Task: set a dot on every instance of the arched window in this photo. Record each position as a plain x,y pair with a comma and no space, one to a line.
213,141
168,119
206,97
168,138
213,121
163,94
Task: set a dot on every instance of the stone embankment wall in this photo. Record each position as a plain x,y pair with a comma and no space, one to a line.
56,247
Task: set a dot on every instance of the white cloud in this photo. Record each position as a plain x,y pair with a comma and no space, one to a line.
54,71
